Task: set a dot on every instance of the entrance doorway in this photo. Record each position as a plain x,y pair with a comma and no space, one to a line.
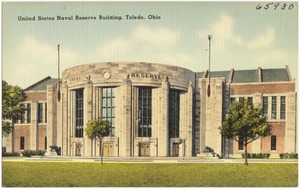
108,149
175,149
78,150
144,149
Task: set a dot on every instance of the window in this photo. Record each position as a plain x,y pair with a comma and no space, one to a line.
265,106
241,99
174,104
250,99
23,116
241,143
79,113
45,143
45,112
282,107
273,142
108,108
40,113
274,106
22,143
144,112
28,110
232,100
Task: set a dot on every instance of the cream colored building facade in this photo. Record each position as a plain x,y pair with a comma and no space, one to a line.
156,110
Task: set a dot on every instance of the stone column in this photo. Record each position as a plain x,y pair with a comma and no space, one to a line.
290,145
125,125
203,91
51,116
211,114
65,114
34,126
88,114
163,140
189,124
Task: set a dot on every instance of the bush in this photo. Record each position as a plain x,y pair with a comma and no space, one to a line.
257,155
29,153
10,154
288,156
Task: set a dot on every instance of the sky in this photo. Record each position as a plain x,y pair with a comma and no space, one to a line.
243,37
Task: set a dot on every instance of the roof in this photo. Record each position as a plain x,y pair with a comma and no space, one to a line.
42,84
251,76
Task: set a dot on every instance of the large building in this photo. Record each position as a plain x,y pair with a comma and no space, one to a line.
156,110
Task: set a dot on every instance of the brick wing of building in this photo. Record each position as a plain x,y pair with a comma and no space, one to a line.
154,109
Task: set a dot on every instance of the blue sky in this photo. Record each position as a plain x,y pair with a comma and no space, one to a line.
243,37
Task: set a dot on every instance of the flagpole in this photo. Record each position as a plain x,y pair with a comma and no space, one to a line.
208,87
58,91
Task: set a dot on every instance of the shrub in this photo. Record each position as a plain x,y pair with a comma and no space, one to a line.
10,154
29,153
288,156
256,155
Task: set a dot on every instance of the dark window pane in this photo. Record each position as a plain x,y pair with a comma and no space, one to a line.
108,104
144,111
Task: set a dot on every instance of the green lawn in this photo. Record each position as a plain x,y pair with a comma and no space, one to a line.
71,174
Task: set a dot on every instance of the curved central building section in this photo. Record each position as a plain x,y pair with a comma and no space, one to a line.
149,106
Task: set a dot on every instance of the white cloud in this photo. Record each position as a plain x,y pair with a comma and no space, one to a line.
40,59
113,48
263,40
154,35
223,33
272,56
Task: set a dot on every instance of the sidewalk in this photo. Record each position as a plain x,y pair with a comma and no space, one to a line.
144,159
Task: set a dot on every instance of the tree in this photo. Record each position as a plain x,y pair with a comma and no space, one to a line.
245,123
96,130
12,109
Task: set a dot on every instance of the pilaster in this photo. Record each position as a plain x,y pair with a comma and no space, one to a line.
126,112
163,141
51,116
66,116
290,127
88,114
34,126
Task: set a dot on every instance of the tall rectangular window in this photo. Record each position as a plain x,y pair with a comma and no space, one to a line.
241,143
265,106
23,116
174,103
282,107
274,107
45,143
22,143
108,107
273,142
144,112
28,111
40,112
45,112
79,113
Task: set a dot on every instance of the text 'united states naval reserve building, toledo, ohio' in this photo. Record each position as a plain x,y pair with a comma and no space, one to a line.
155,110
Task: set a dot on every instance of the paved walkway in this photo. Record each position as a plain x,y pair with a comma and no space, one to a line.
145,159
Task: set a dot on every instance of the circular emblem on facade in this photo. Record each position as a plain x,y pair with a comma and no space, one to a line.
106,75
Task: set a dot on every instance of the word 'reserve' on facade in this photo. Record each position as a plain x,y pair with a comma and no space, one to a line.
154,109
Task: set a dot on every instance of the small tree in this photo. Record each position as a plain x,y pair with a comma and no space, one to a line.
244,122
12,109
96,130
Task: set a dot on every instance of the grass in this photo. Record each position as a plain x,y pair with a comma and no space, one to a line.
78,174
